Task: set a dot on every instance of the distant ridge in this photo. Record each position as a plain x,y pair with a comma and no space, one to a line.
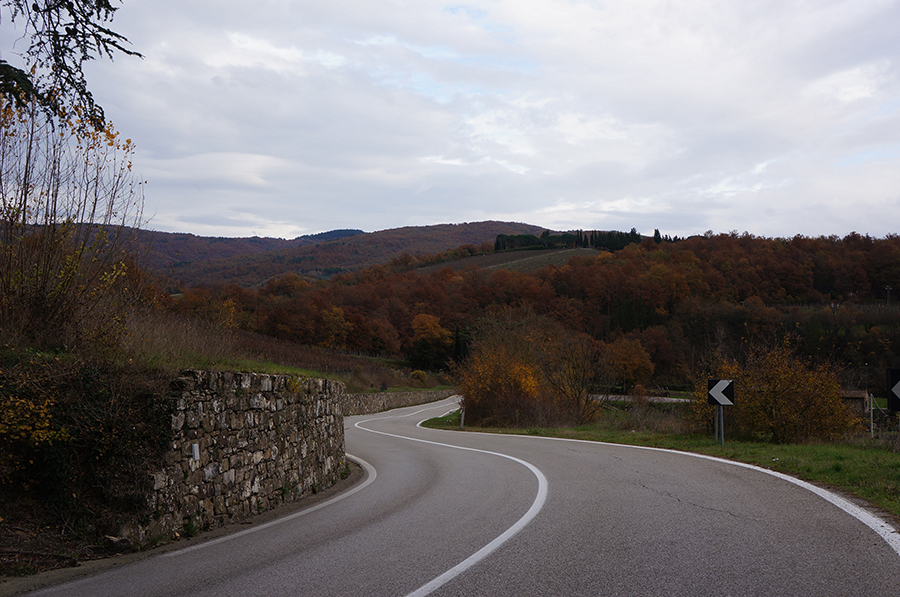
251,262
171,249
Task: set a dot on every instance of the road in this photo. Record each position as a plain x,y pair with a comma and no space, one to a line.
444,513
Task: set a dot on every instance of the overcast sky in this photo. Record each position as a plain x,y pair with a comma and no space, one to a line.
290,117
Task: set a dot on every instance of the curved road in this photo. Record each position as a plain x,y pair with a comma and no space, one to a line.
444,513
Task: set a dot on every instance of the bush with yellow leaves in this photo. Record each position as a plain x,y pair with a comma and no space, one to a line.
782,397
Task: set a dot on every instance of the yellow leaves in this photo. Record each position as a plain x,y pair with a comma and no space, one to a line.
783,397
63,272
26,422
336,328
427,328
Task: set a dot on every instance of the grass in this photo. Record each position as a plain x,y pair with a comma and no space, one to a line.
860,466
169,342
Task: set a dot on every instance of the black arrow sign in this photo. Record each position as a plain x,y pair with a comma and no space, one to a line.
720,392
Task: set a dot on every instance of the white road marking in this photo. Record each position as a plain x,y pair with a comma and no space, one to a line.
485,551
887,532
371,474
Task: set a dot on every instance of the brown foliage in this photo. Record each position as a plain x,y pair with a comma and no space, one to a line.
783,397
673,301
500,380
525,369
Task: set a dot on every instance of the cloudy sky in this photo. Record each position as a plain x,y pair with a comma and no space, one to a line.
291,117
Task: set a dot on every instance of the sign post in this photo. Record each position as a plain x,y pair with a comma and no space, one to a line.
720,392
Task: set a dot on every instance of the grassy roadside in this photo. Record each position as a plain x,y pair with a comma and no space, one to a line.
865,468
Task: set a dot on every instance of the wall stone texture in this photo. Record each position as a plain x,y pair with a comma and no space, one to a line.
367,404
243,443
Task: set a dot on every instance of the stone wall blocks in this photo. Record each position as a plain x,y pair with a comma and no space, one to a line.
211,471
160,480
185,383
265,383
257,434
192,420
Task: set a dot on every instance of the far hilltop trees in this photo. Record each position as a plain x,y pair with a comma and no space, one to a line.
610,240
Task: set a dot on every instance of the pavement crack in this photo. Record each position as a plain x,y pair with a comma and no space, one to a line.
699,506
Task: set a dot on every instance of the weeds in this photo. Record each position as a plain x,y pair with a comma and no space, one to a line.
190,527
171,342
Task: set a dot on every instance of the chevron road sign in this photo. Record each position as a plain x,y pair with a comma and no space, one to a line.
720,392
893,386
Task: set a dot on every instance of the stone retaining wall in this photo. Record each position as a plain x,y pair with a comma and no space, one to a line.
367,404
244,442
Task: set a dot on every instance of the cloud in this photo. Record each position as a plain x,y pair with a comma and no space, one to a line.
296,117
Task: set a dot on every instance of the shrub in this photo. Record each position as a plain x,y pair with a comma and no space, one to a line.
68,208
431,343
783,397
80,436
527,371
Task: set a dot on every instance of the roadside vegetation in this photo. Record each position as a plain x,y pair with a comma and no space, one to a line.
89,340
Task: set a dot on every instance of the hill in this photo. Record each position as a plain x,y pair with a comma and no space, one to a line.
339,255
167,250
521,260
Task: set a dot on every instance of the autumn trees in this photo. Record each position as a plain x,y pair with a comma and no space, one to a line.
500,378
526,369
431,343
660,306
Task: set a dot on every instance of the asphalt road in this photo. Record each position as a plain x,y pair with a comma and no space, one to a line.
444,513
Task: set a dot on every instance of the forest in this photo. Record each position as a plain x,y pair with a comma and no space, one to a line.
675,301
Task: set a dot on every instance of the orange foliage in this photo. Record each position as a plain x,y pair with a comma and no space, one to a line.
782,397
667,303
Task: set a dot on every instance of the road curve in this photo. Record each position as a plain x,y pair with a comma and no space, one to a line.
447,513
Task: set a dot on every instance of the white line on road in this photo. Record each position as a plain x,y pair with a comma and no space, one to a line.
485,551
887,532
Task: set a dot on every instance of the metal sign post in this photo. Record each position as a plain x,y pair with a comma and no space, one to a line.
720,392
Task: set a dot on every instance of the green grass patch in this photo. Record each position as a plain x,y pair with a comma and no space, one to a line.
861,467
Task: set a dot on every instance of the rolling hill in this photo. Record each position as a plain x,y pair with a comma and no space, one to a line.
166,250
251,262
